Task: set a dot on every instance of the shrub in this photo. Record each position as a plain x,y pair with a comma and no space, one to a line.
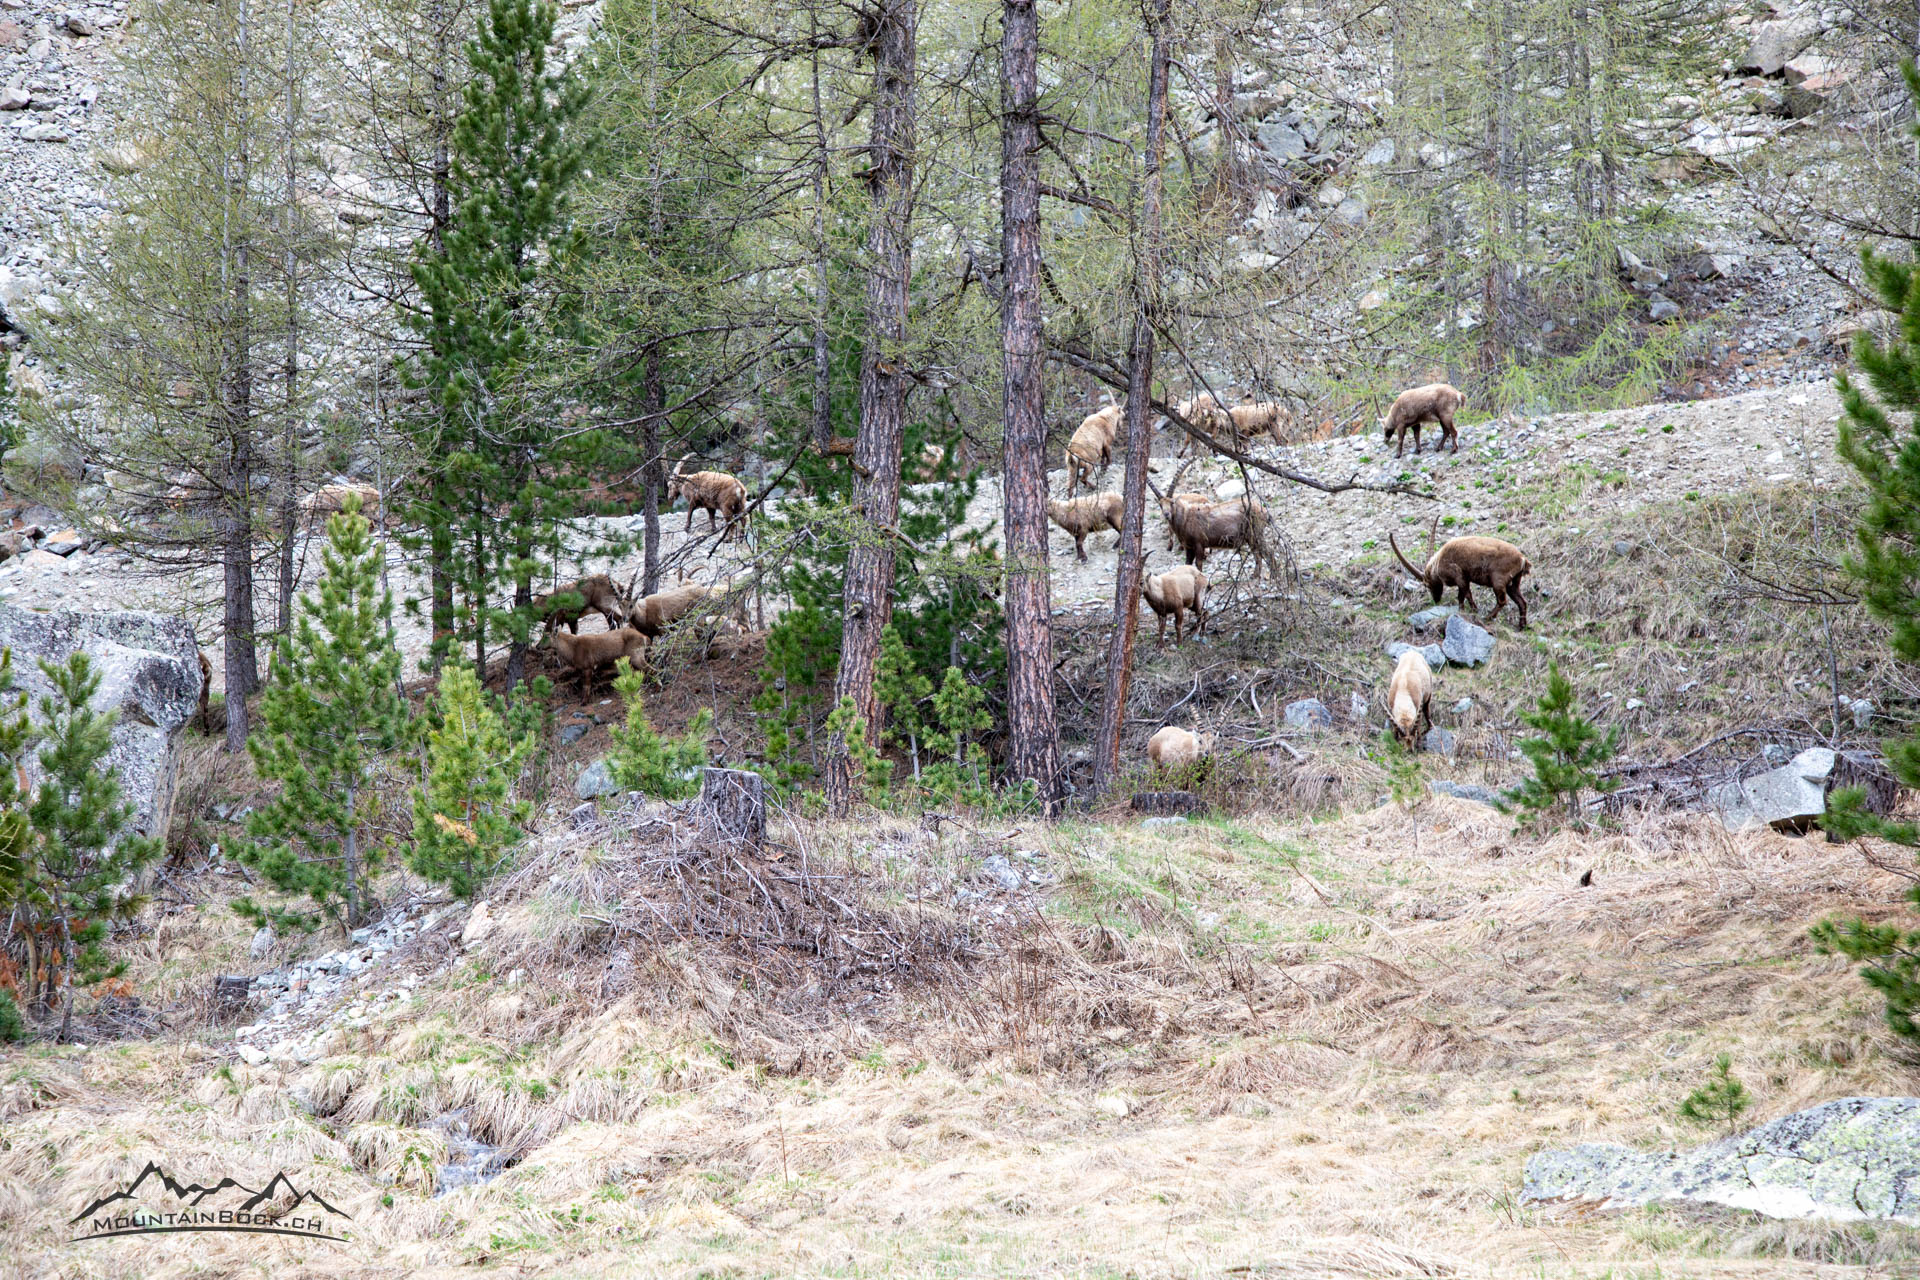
1720,1100
465,819
1565,755
644,761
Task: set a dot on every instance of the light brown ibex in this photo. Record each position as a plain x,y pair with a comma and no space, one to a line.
1471,562
1204,412
1083,516
1409,698
1174,592
594,594
329,499
1261,417
1436,402
1092,446
588,655
1173,746
720,495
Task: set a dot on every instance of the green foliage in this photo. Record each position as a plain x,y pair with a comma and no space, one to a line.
901,687
1720,1100
13,1028
1404,776
1886,567
503,474
328,717
644,761
1565,755
871,773
959,776
465,819
803,647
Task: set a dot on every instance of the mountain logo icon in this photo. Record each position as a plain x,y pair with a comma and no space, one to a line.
279,1208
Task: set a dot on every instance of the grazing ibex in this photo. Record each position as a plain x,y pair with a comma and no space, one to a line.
596,594
1173,746
1174,592
1436,402
654,614
1236,524
1471,562
330,499
588,655
1409,698
1083,516
1092,446
1258,418
718,494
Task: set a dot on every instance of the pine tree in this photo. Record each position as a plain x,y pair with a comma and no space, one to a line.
329,715
644,761
1565,755
492,444
1720,1100
871,773
465,819
1887,569
901,688
84,860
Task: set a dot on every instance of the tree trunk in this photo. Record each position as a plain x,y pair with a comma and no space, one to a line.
440,540
653,480
884,379
290,266
734,803
1032,732
236,559
822,294
1139,419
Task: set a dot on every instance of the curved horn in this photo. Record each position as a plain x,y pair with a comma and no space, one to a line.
1418,573
680,467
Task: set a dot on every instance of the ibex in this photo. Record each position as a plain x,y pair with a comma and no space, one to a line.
1258,418
1204,412
1173,746
1083,516
720,495
1091,446
590,654
1204,527
1409,697
654,614
596,594
1471,562
1436,402
1174,592
330,499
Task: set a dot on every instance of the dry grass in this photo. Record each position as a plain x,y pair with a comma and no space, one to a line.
1225,1048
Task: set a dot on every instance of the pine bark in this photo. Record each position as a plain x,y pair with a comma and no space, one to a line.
1139,421
1033,734
884,379
653,479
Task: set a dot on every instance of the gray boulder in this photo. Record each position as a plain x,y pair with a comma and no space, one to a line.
1849,1160
1464,791
1466,645
1791,796
1429,617
1435,656
1441,742
1661,307
1774,44
149,670
1284,142
595,780
1308,713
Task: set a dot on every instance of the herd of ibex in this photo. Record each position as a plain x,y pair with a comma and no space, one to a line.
1197,525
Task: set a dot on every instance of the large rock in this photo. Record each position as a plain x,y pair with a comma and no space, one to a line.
1791,796
1465,644
1848,1160
1435,656
595,780
1308,713
149,671
1774,44
1465,791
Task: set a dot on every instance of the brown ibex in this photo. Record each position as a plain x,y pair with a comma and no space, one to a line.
654,614
718,494
596,594
1409,698
590,654
1471,562
1174,592
330,499
1258,418
1088,515
1436,402
1092,446
1173,746
1204,412
1236,524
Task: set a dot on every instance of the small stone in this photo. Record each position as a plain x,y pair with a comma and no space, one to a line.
1862,713
1357,708
262,943
15,97
1381,152
43,133
584,817
1466,645
1165,820
1441,742
1463,707
997,869
595,780
1429,617
1308,713
1661,307
1435,657
572,733
1373,299
1116,1105
480,923
79,24
251,1056
1464,791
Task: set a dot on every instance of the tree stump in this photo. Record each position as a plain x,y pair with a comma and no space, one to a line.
734,802
1166,802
